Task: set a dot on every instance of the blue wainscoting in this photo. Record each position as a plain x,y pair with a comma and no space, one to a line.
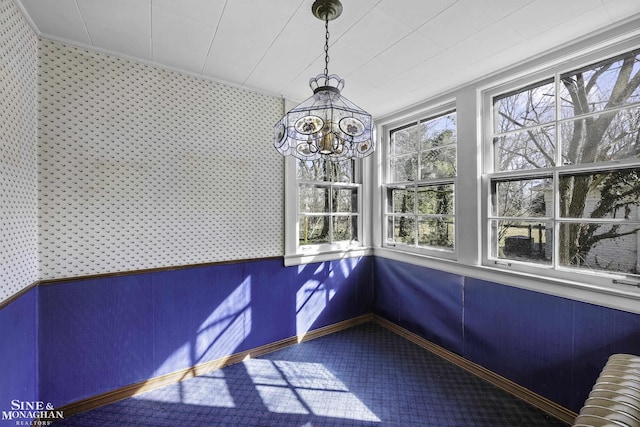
69,341
99,335
19,352
553,346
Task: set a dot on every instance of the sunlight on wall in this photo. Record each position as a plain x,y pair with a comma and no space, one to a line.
220,335
311,299
227,327
347,265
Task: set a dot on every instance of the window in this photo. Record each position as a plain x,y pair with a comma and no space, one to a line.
324,208
564,174
328,203
420,186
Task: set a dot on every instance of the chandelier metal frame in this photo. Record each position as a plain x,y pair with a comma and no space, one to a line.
326,125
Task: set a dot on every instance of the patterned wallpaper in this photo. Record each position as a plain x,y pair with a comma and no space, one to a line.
141,167
18,147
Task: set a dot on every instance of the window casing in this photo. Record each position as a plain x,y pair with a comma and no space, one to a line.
563,177
419,185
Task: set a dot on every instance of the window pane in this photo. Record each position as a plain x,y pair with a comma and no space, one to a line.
344,228
401,229
528,241
604,85
314,199
522,198
345,200
402,200
528,107
436,232
314,229
404,141
438,163
438,132
404,168
525,150
601,195
607,247
608,136
436,200
324,170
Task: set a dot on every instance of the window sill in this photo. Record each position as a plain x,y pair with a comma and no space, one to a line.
619,297
330,255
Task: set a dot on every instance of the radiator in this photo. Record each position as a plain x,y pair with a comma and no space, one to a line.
614,400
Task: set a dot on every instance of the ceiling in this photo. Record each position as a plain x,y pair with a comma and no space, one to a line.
392,53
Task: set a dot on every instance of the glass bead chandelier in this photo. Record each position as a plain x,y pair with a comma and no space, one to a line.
326,125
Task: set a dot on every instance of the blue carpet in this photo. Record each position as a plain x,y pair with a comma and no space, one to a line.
363,376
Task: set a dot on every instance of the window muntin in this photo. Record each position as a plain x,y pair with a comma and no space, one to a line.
565,185
328,203
420,187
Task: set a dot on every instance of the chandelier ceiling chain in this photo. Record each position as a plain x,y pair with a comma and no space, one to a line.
326,125
326,45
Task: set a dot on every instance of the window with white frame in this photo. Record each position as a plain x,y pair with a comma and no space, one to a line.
328,198
419,185
564,176
324,209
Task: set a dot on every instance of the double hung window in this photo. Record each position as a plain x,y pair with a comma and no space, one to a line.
323,210
328,198
564,173
420,185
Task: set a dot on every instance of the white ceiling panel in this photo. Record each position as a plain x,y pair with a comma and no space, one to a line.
106,38
66,27
242,39
543,15
369,37
180,42
620,9
203,11
414,14
59,18
39,9
402,56
489,42
447,29
392,53
290,52
130,16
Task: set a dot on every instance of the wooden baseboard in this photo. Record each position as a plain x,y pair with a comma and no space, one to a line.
505,384
181,375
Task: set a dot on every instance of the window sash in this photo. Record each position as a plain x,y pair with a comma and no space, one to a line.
556,224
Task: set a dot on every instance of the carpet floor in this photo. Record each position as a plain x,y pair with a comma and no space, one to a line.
362,376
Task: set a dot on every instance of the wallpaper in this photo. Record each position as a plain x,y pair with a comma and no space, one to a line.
18,146
141,167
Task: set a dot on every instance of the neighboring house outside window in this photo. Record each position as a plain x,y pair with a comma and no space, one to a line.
564,174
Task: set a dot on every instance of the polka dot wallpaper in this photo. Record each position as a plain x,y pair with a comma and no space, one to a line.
141,167
18,147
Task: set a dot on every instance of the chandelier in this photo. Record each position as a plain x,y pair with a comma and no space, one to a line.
326,125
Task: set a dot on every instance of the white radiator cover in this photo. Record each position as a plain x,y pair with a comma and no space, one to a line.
614,400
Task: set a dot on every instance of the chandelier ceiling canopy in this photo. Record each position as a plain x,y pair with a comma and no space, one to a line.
326,125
